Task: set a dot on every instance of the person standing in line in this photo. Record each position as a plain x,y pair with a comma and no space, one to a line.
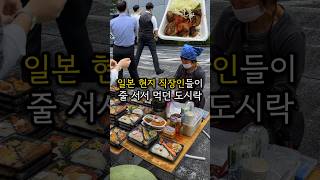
72,25
136,12
148,33
136,15
124,30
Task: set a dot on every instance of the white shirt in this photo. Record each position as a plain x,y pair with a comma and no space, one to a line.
13,47
136,16
154,22
113,77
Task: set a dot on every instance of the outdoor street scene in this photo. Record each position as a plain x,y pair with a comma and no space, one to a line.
169,59
194,162
162,140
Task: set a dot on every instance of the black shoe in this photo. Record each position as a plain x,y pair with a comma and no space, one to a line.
160,72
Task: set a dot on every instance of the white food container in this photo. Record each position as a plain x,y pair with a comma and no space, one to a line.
189,129
203,34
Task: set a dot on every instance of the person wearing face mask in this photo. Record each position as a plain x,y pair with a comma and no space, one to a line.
261,27
190,69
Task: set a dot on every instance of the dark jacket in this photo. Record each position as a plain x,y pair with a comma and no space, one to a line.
285,38
198,74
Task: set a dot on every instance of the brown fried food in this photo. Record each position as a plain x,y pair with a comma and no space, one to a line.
170,16
170,29
19,85
184,29
193,32
5,86
196,20
198,12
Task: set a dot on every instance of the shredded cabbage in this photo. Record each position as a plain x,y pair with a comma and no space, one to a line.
184,7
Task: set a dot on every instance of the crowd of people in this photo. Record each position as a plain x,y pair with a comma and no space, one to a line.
127,30
20,35
142,27
20,31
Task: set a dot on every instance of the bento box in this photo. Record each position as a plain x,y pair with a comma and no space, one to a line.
167,149
65,170
20,154
23,125
117,137
92,154
64,144
14,94
139,109
129,121
78,125
143,137
117,110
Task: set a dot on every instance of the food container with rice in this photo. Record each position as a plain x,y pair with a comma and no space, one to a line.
19,153
115,101
14,94
167,149
129,121
23,125
114,90
141,101
65,170
64,144
169,132
92,155
154,121
143,136
79,125
117,110
139,109
117,136
13,87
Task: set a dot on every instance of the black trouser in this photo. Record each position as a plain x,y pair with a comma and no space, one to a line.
73,30
151,43
126,52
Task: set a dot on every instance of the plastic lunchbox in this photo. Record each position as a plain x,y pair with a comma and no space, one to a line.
189,128
204,32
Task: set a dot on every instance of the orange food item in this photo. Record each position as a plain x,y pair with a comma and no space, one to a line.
179,19
148,120
168,148
155,123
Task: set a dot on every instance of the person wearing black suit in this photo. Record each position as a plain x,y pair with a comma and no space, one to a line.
74,33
